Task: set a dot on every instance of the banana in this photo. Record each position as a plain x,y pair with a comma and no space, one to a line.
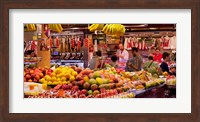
91,26
60,27
33,25
57,28
105,27
28,28
94,28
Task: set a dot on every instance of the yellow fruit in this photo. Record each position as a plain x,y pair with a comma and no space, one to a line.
44,86
60,82
45,82
53,78
53,74
63,79
65,82
99,81
86,79
55,83
67,75
72,78
74,73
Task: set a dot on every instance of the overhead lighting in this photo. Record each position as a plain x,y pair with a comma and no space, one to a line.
152,28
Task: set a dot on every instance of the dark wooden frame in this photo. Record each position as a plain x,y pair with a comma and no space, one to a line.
5,5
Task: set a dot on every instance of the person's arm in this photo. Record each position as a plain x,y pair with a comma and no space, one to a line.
127,67
126,55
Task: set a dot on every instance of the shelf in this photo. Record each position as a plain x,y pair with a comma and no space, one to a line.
113,44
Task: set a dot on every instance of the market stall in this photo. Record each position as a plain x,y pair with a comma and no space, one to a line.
59,68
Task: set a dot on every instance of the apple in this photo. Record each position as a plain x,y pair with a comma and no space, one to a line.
32,76
82,96
98,96
28,77
84,91
76,88
65,87
73,83
70,85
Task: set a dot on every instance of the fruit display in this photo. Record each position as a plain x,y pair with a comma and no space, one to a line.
56,27
171,80
76,82
31,27
35,74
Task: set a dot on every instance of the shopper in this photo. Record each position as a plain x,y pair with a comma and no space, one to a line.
157,55
151,66
96,61
114,62
173,70
122,54
134,63
164,65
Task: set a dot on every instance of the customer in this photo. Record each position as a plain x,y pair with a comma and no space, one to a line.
173,70
151,66
134,63
114,62
164,65
122,54
96,61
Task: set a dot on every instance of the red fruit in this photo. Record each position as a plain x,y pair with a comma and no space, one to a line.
32,76
98,96
82,82
58,87
84,91
76,88
28,77
70,86
65,87
73,83
103,90
25,79
82,96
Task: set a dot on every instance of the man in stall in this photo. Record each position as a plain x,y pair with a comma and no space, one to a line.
134,63
122,54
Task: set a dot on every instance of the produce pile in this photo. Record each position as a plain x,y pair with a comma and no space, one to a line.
75,82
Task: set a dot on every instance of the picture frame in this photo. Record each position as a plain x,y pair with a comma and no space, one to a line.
6,5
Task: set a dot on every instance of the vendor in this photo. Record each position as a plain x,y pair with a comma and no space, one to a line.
157,55
134,63
122,54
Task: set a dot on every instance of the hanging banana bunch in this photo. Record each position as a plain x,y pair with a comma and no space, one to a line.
31,27
56,27
95,27
114,29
